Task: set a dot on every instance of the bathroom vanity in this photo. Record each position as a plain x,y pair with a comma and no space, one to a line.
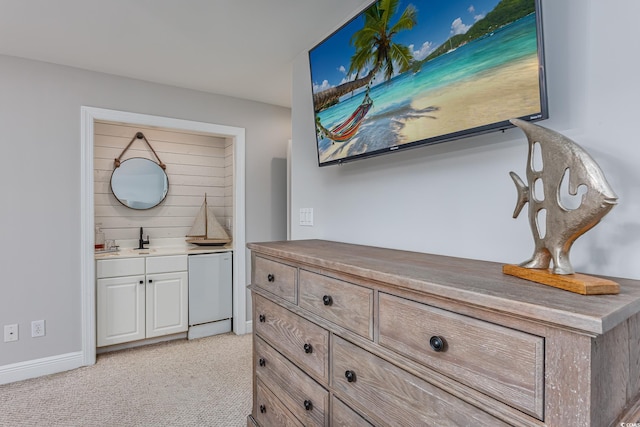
143,294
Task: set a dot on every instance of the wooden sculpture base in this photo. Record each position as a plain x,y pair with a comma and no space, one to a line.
577,283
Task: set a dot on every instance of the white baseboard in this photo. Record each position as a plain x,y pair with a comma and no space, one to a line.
140,343
39,367
249,327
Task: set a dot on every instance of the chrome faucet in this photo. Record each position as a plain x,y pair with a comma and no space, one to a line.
142,242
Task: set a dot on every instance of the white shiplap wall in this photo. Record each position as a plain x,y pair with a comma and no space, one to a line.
195,164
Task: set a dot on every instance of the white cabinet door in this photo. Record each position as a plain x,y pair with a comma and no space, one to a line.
120,310
167,303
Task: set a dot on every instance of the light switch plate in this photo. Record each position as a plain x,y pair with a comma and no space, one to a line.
306,216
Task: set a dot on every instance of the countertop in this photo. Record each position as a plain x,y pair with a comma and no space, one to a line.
162,251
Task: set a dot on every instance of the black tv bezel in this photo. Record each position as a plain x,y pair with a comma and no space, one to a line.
466,133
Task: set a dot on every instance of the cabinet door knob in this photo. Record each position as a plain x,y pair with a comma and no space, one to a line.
261,318
150,281
308,348
262,362
350,376
308,405
271,277
263,409
327,300
437,343
141,282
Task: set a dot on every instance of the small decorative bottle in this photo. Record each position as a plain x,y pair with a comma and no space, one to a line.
99,244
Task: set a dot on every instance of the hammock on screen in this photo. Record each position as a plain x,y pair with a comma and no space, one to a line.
347,129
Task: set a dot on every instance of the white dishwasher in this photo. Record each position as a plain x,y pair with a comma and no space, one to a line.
210,294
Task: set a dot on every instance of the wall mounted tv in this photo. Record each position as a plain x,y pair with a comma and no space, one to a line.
407,73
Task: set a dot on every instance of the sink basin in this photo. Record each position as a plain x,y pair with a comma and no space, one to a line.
143,251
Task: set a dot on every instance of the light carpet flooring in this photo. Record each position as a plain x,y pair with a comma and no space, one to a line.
204,382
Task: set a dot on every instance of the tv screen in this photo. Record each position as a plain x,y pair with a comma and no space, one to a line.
407,73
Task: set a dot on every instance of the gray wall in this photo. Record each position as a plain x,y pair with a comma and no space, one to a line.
457,198
40,184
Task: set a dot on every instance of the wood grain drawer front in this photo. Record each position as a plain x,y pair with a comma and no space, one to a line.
501,362
396,397
304,397
275,277
303,342
269,411
345,304
343,416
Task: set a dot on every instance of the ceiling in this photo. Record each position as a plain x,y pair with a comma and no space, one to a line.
240,48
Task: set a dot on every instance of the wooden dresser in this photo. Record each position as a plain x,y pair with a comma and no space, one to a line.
348,335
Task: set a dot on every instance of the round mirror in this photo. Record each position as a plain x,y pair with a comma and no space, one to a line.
139,183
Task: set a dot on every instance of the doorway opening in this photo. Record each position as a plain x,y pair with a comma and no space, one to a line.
235,135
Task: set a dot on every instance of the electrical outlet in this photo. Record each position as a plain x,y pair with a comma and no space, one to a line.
37,328
11,332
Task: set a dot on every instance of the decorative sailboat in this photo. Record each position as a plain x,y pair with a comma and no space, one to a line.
206,230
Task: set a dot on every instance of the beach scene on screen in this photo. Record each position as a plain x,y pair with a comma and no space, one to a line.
461,65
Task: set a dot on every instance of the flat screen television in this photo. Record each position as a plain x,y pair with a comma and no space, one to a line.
408,73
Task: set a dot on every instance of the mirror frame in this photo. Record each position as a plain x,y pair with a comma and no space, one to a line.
162,196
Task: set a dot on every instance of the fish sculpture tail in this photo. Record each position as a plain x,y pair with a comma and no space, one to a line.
523,193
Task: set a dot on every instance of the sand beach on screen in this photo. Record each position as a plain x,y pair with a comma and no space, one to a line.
476,102
489,97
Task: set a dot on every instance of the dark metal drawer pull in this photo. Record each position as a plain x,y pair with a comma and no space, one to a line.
437,343
308,405
327,300
261,318
262,362
350,376
308,348
263,409
271,277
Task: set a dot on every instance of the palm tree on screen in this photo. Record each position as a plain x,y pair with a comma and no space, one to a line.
375,50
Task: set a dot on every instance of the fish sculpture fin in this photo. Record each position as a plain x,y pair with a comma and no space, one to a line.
523,193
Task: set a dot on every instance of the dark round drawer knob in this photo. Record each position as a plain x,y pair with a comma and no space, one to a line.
350,376
263,409
308,348
308,405
271,277
261,318
262,362
437,343
327,300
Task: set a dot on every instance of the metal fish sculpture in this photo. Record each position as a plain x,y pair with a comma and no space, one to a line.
562,225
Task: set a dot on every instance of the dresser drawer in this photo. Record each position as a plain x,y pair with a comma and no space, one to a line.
305,343
501,362
395,396
269,411
343,416
275,277
304,397
345,304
